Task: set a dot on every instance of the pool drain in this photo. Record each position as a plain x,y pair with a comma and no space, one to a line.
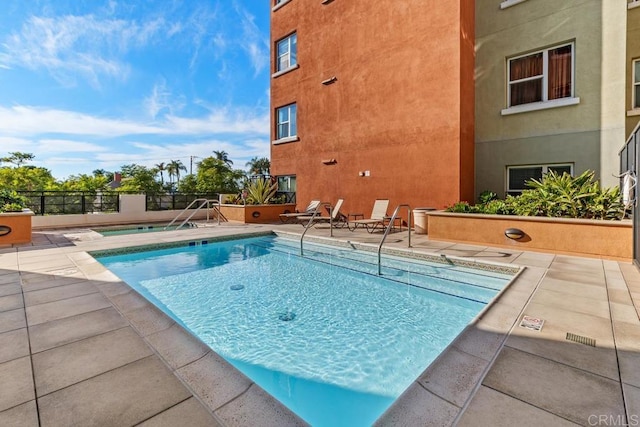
236,287
287,316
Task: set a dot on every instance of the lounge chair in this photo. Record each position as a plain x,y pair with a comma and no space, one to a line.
293,216
337,218
376,219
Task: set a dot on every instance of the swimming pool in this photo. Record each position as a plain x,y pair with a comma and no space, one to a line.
323,334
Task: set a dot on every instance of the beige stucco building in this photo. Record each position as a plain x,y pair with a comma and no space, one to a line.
550,89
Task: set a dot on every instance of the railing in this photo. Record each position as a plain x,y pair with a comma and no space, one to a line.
204,202
174,201
386,232
53,202
71,202
313,217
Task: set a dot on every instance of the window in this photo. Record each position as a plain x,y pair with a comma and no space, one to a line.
286,126
636,83
287,51
287,188
517,176
541,76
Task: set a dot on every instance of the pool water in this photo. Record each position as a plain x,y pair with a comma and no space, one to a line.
118,231
323,334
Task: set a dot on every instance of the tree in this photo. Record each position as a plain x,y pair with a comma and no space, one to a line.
160,167
139,179
215,176
188,184
18,158
174,167
27,178
223,156
85,182
101,172
259,166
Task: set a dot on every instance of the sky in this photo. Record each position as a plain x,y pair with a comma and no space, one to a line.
97,84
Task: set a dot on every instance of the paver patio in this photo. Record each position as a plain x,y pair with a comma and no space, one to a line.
79,347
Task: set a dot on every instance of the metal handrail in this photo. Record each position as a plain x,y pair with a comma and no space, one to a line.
205,202
313,217
386,232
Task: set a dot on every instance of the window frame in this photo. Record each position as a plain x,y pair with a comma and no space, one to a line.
635,83
545,102
291,66
289,137
545,169
278,4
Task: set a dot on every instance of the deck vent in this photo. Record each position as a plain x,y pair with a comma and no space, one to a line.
287,316
580,339
236,287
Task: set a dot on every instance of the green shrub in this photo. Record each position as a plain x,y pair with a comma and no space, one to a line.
10,201
560,196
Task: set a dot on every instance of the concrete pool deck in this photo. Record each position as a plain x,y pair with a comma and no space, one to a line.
79,347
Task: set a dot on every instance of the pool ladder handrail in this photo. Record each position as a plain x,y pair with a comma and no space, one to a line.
204,202
389,226
313,217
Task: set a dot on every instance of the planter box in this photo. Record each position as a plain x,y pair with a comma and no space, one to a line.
582,237
15,227
256,214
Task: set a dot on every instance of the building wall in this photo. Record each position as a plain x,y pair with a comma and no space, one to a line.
588,134
401,108
633,52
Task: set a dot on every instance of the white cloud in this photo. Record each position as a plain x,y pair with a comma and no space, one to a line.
254,42
161,99
72,47
29,121
23,121
10,144
66,146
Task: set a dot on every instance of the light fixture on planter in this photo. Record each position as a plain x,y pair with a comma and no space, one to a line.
514,233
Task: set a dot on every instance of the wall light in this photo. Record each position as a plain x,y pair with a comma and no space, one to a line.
514,233
329,81
329,161
326,1
4,230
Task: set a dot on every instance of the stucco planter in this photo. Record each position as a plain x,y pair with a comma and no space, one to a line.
256,214
583,237
15,227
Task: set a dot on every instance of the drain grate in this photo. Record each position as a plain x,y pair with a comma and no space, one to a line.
580,339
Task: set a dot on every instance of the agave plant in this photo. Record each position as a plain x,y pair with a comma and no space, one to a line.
260,191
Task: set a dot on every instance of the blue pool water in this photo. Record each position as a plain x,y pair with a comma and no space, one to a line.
323,334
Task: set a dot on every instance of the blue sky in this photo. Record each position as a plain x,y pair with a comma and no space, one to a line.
95,84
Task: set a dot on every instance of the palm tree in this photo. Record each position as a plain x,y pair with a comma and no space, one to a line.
174,167
223,156
160,167
259,166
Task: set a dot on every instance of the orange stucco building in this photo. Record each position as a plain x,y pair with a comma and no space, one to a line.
373,100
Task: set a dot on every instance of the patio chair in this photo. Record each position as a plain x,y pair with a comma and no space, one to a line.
294,216
377,218
337,218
